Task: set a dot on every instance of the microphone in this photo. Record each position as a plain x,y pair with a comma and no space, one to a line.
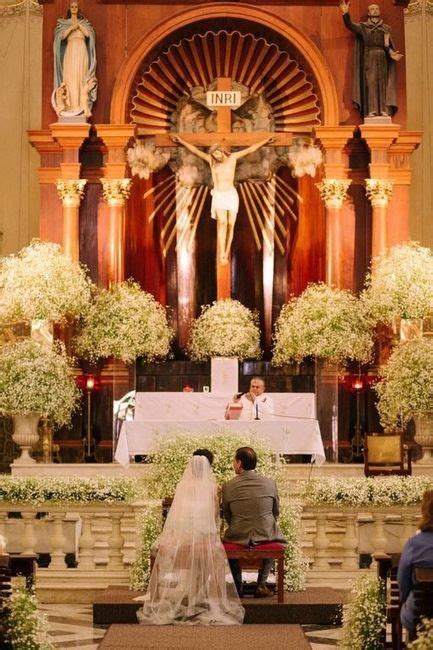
257,411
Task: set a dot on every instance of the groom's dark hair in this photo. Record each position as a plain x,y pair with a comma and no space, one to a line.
204,452
247,456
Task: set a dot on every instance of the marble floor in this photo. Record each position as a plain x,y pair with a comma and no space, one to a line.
71,626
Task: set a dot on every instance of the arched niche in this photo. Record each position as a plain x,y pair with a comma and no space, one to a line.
152,40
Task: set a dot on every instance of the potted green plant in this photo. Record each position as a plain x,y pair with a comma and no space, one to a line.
35,381
399,288
325,323
225,332
124,322
406,391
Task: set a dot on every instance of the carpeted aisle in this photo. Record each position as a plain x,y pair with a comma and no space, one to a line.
242,637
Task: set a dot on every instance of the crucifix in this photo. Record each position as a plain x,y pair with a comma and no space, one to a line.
225,193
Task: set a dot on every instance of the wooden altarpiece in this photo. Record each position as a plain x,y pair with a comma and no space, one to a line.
154,55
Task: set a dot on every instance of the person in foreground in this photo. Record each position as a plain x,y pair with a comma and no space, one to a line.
417,552
191,582
251,508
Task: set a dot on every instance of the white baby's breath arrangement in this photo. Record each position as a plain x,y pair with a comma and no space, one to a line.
400,284
225,329
406,383
424,639
364,618
125,322
41,283
366,492
325,323
295,563
34,378
175,452
26,628
149,526
38,490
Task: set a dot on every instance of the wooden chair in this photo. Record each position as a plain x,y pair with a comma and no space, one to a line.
385,454
387,567
423,594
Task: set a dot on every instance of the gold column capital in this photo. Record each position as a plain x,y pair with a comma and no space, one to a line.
116,190
71,191
378,191
333,191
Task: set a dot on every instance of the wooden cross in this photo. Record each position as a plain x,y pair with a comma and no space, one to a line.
224,133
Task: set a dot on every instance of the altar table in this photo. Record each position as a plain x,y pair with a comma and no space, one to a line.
290,429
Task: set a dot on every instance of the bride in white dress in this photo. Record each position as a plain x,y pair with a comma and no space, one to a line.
191,582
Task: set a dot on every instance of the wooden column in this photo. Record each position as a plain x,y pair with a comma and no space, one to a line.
69,186
379,139
333,193
333,190
71,192
379,192
116,190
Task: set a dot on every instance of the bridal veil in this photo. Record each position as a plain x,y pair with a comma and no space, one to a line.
191,582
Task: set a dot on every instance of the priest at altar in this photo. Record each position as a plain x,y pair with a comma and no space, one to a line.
253,405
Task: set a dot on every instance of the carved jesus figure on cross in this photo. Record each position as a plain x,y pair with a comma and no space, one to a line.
225,198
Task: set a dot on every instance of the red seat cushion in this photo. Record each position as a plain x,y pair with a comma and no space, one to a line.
265,546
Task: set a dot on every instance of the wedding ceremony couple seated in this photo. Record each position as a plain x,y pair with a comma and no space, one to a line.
191,581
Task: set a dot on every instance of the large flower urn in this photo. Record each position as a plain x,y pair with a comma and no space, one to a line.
25,435
424,434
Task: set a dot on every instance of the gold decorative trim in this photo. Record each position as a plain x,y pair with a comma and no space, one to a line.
333,191
116,190
19,8
378,192
71,191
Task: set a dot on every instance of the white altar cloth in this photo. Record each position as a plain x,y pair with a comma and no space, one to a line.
185,407
288,436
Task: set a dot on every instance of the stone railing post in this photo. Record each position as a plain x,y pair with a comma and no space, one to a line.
57,542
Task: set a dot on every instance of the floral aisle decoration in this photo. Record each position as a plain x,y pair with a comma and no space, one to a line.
400,284
41,283
125,322
225,329
325,323
364,617
26,627
424,640
406,383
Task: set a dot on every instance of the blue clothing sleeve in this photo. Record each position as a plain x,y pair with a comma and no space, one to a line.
404,575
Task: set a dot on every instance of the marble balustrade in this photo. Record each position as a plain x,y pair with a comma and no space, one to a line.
103,539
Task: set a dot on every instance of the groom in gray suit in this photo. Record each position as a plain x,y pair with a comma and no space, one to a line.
250,507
